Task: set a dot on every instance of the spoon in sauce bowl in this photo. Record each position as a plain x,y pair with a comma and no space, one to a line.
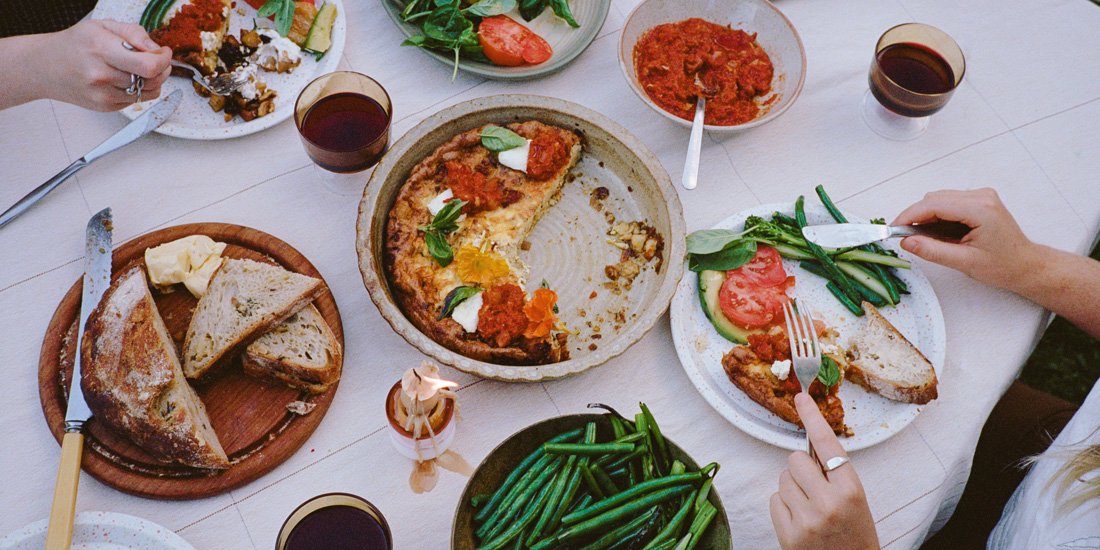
695,144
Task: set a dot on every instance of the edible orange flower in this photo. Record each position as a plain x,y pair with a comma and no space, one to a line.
480,267
540,313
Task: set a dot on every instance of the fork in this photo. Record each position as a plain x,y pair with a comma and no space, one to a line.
805,351
223,84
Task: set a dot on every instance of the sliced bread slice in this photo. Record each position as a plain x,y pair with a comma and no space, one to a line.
132,380
884,362
301,352
244,300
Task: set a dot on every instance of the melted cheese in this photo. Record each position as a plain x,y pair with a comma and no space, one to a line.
516,159
466,313
436,204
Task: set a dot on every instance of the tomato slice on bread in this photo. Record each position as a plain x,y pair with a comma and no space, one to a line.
510,44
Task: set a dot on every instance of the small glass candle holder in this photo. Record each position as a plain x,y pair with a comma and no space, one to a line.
424,446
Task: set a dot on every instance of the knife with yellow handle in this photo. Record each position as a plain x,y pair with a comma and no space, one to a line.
97,277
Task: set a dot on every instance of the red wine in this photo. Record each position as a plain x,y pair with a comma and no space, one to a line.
911,79
338,528
344,122
917,68
345,132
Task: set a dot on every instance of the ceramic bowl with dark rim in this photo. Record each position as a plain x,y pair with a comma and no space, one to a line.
567,42
505,457
569,245
774,33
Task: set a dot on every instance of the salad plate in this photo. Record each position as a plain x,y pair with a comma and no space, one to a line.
567,42
872,418
194,119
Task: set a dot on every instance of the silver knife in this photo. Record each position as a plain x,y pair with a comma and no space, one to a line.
846,235
152,119
97,277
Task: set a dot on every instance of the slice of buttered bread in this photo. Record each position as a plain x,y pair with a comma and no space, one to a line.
301,352
132,380
244,300
884,362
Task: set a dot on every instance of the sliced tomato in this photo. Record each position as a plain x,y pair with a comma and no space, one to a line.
508,43
765,268
748,305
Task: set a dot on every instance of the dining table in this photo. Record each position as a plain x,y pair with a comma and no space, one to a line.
1024,121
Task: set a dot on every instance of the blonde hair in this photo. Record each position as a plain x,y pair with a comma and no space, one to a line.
1079,462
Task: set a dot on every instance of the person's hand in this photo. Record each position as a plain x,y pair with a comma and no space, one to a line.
812,510
995,252
87,64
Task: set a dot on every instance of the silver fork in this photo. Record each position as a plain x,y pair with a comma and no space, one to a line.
805,351
223,84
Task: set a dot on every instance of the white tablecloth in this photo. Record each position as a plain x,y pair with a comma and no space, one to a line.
1026,121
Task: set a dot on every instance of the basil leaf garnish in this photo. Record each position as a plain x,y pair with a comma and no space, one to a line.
497,139
709,241
726,259
489,8
829,374
439,248
456,296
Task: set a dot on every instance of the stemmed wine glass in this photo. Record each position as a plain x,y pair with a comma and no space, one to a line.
915,71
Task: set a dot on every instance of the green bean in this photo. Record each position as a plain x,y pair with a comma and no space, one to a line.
517,527
623,532
158,18
843,298
700,524
883,275
608,486
648,465
684,542
828,202
836,275
855,272
513,477
507,512
556,493
573,484
590,480
594,449
612,516
631,493
618,461
666,545
617,426
661,449
864,292
672,529
677,468
704,492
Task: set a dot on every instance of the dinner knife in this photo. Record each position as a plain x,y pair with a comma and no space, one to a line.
846,235
153,117
97,277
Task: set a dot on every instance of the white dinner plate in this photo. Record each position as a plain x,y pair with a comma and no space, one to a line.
101,531
872,418
194,119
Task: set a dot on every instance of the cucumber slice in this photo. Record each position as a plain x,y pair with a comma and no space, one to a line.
710,282
320,33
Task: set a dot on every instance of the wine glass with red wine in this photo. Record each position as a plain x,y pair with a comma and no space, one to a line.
914,73
344,119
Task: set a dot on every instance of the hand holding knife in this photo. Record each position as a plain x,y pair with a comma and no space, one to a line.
847,235
97,277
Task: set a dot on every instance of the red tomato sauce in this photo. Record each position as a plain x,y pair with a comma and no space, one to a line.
547,155
501,319
727,61
480,193
182,31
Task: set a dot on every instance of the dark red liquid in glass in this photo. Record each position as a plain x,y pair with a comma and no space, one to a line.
917,68
338,528
347,131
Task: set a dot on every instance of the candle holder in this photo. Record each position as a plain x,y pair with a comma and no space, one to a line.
428,444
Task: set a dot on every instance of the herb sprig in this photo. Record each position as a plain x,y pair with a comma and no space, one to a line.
498,139
283,10
435,233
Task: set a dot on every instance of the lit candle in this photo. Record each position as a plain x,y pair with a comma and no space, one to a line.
422,409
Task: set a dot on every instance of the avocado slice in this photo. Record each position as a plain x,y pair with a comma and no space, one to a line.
320,33
710,282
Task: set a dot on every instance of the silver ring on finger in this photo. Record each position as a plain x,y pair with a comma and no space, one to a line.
136,82
835,462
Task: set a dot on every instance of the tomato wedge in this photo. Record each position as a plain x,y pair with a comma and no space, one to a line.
509,44
748,305
765,268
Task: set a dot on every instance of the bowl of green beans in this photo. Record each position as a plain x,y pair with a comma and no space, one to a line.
592,481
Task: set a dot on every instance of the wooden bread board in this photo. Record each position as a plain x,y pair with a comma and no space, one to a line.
249,415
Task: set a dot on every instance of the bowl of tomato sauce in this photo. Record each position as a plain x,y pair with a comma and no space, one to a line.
745,56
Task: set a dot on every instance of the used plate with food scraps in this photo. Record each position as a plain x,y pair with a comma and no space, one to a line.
101,531
567,42
872,418
194,119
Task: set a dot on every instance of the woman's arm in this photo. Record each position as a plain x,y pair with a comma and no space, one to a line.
85,65
997,252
